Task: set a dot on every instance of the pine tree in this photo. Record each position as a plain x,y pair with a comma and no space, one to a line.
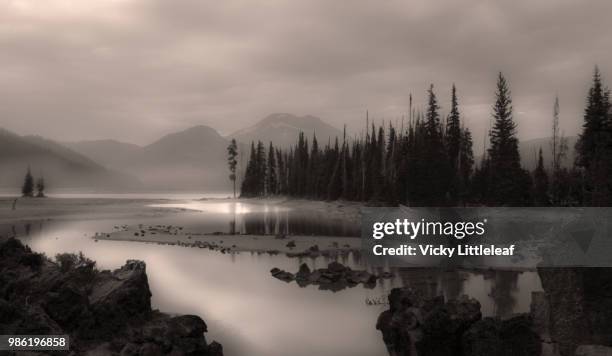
40,187
453,132
271,173
249,183
540,180
453,140
232,152
466,164
435,161
594,146
313,169
592,141
509,183
27,190
260,169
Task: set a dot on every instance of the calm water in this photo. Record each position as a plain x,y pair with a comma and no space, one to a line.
258,218
246,309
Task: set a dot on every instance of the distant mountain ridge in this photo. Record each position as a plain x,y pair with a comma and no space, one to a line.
191,159
109,153
196,158
282,130
60,166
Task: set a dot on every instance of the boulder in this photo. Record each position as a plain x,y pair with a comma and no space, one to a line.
282,275
511,337
580,306
414,325
335,277
593,350
105,313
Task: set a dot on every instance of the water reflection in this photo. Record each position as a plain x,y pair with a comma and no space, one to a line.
250,312
263,219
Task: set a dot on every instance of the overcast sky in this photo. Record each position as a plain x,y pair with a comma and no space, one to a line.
136,69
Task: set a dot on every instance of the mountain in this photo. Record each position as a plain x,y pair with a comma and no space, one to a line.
283,129
60,166
193,159
109,153
529,152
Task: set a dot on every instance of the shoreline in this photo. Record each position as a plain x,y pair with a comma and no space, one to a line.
289,244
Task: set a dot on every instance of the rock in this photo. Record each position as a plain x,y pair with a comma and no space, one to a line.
580,306
336,268
105,313
104,349
512,337
432,327
130,349
151,349
302,277
335,277
215,349
290,244
282,275
121,295
540,313
593,350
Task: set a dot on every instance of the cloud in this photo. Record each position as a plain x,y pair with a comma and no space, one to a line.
135,69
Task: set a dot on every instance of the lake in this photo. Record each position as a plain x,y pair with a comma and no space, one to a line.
247,310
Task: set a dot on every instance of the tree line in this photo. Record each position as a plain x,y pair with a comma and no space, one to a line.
429,161
27,189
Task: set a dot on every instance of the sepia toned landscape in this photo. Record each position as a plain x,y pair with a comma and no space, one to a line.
191,178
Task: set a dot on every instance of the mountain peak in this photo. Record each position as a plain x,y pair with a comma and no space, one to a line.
283,129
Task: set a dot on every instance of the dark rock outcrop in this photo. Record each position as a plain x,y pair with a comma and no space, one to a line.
414,325
593,350
580,306
335,277
104,312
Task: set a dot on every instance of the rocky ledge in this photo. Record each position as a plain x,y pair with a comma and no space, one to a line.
576,308
335,277
414,325
104,312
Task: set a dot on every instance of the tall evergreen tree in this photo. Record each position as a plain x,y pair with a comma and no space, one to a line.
271,173
435,163
540,181
465,166
453,140
594,146
232,153
453,132
509,183
27,190
40,187
249,183
260,159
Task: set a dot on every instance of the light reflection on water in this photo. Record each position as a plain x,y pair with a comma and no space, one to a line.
259,218
250,312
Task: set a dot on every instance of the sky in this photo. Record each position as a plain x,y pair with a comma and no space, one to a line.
134,70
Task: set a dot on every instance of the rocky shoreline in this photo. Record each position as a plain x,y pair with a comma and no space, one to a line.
104,312
335,277
414,325
571,317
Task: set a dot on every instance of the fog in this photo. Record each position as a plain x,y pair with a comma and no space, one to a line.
134,70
